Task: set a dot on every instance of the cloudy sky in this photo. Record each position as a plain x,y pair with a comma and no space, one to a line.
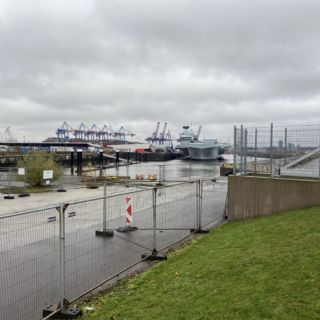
133,63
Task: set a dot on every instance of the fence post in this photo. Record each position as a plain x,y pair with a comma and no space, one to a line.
255,149
241,150
154,254
61,255
199,198
160,173
189,169
198,223
285,145
319,160
64,312
104,232
245,149
271,150
164,172
198,195
154,220
234,150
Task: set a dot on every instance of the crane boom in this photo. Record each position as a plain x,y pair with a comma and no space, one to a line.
164,130
155,134
198,133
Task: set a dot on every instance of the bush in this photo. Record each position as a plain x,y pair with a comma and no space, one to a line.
35,163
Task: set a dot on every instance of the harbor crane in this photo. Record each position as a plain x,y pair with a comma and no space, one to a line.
64,131
154,136
104,133
8,137
122,133
168,139
93,133
80,133
161,138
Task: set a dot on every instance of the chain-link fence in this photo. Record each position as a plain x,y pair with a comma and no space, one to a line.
54,255
278,150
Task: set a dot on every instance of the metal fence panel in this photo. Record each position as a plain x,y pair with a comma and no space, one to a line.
176,207
29,256
176,213
44,259
213,201
279,151
91,259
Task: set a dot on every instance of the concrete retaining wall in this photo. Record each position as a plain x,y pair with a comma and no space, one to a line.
250,197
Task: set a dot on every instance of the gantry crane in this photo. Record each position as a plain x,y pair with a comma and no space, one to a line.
161,138
154,136
64,131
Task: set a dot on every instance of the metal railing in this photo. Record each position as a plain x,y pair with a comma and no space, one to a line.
277,150
54,255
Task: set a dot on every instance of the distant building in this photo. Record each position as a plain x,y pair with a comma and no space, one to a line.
280,144
291,147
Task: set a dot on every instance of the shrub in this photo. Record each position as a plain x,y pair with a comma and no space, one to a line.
35,163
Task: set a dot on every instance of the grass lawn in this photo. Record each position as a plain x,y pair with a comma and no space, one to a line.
267,268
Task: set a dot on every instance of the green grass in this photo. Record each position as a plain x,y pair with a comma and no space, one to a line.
267,268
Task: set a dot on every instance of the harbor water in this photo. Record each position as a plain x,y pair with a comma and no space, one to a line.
173,169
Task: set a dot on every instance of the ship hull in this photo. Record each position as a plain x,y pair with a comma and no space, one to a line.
201,152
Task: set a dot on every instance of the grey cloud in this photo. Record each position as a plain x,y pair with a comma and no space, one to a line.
138,62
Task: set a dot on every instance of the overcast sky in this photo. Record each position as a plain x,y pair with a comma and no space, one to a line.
133,63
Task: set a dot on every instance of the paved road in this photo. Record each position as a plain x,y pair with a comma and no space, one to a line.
46,199
29,244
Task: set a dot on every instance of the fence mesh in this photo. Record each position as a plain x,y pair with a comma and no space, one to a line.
278,150
91,259
29,256
30,242
213,201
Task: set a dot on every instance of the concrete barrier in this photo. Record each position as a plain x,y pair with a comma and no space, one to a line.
250,196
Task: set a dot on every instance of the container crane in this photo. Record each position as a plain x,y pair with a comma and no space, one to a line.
161,138
111,131
64,131
93,133
80,133
168,140
8,137
104,133
154,136
120,134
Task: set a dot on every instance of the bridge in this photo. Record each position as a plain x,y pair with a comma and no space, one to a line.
307,165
